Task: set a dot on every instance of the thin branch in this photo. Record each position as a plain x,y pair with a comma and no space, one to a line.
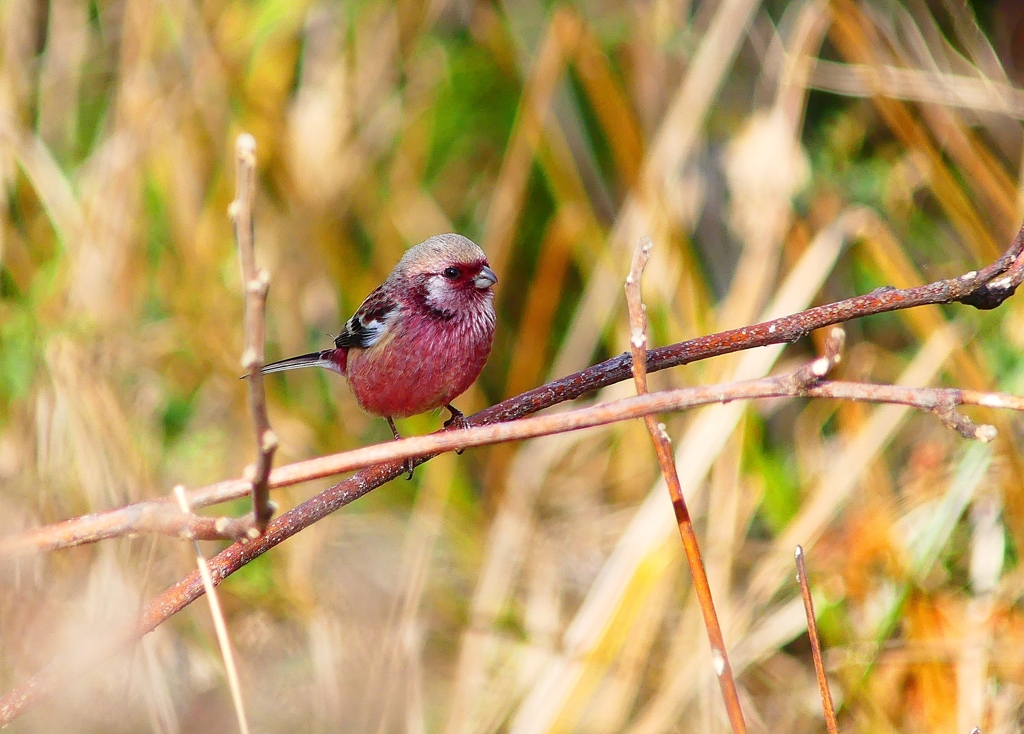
219,624
157,517
812,633
984,289
256,282
667,463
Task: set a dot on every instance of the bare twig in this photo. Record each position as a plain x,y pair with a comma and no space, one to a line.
984,289
152,517
812,633
219,625
256,282
667,463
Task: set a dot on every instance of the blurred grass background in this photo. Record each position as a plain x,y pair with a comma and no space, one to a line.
800,151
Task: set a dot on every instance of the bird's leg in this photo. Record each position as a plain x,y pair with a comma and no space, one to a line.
458,420
398,437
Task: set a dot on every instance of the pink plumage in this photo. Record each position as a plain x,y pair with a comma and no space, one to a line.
421,338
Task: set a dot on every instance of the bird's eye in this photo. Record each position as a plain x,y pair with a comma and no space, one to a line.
450,273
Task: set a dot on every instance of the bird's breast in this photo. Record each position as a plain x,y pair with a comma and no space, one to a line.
423,363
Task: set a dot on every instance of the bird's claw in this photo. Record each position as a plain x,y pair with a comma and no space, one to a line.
409,466
458,420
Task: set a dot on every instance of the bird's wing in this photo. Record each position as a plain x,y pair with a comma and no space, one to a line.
368,323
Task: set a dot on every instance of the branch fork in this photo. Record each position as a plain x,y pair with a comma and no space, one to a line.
814,372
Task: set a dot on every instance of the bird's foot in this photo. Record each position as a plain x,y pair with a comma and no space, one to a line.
409,465
458,420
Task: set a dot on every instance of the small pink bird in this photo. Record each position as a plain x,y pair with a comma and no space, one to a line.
421,338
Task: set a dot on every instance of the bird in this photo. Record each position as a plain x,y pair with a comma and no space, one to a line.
421,338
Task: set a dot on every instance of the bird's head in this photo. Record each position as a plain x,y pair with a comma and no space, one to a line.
450,273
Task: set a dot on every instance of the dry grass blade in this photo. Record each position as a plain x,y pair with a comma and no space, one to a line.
859,41
915,85
256,282
529,127
672,145
395,658
812,632
217,614
666,461
835,485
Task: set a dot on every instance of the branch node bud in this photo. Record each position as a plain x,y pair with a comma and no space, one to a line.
260,284
718,661
985,433
245,144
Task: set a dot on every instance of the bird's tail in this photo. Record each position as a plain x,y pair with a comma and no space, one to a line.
331,359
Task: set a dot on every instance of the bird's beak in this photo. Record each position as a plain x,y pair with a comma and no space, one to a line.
485,278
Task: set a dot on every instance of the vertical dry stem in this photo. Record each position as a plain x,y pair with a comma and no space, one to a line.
666,460
218,621
256,283
812,633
